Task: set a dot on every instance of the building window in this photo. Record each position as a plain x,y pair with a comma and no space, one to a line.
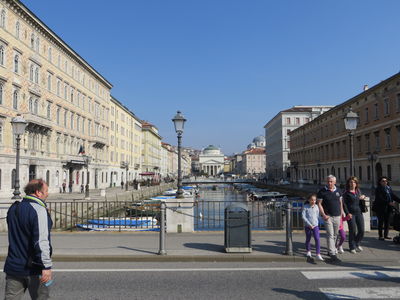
49,82
31,104
72,121
31,73
58,115
388,139
50,54
398,135
398,103
287,121
2,55
36,107
366,115
386,107
377,142
16,63
65,118
3,19
15,99
37,75
17,29
58,87
48,110
297,121
389,171
1,93
367,142
376,116
360,172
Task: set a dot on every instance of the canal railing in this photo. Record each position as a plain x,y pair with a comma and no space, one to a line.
145,215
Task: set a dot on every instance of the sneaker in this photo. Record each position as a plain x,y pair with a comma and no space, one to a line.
334,259
340,250
309,254
381,238
320,258
359,248
388,238
353,251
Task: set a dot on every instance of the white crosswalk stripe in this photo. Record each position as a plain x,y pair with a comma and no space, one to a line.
370,292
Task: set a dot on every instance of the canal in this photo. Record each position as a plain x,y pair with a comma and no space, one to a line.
210,208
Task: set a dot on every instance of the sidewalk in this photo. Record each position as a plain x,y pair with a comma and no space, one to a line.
199,247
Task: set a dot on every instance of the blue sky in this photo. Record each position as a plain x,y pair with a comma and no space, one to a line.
229,66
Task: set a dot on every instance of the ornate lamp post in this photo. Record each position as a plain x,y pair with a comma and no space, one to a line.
350,123
18,126
372,156
87,159
179,123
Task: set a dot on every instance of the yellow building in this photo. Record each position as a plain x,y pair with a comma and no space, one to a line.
64,100
151,149
125,144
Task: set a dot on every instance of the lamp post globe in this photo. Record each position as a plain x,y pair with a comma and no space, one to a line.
18,124
179,123
350,123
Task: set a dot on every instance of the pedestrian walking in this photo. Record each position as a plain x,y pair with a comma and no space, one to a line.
341,236
28,263
70,186
82,188
122,185
310,216
351,206
64,186
383,206
331,209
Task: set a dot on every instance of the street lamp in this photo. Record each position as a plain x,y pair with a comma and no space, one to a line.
179,123
350,123
18,126
87,160
372,156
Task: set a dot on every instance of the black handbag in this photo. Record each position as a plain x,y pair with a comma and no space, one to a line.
363,206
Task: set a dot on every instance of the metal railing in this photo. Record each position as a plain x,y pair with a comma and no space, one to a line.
209,215
104,215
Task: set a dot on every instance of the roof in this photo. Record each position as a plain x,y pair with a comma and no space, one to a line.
255,151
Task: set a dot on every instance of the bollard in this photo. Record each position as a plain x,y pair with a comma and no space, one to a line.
162,250
289,241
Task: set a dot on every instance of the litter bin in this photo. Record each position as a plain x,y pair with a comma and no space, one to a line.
237,228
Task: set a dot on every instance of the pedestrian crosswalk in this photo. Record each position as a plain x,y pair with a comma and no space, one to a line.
374,290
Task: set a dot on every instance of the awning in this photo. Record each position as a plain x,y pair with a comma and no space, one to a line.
147,174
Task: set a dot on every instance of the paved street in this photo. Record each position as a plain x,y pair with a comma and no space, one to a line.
102,280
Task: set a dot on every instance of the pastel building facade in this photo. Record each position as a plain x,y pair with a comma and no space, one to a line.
64,100
277,138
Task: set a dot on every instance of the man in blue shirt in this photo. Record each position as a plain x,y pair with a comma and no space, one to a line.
331,209
28,264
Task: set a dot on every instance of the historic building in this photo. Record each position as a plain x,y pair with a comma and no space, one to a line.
277,139
151,149
125,144
258,142
253,161
211,161
64,100
321,147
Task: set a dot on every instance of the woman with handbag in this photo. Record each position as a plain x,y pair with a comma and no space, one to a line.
383,206
352,198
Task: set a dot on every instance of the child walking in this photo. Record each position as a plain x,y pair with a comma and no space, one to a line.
310,216
341,236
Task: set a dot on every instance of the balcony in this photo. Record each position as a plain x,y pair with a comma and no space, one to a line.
37,123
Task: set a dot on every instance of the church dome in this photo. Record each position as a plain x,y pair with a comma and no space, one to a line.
259,139
211,150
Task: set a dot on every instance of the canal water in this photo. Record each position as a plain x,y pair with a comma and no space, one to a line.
210,207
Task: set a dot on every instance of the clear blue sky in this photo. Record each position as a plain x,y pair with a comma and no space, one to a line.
229,66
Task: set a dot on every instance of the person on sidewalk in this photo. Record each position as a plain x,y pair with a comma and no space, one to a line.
64,186
341,236
28,263
351,206
383,206
331,209
310,216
